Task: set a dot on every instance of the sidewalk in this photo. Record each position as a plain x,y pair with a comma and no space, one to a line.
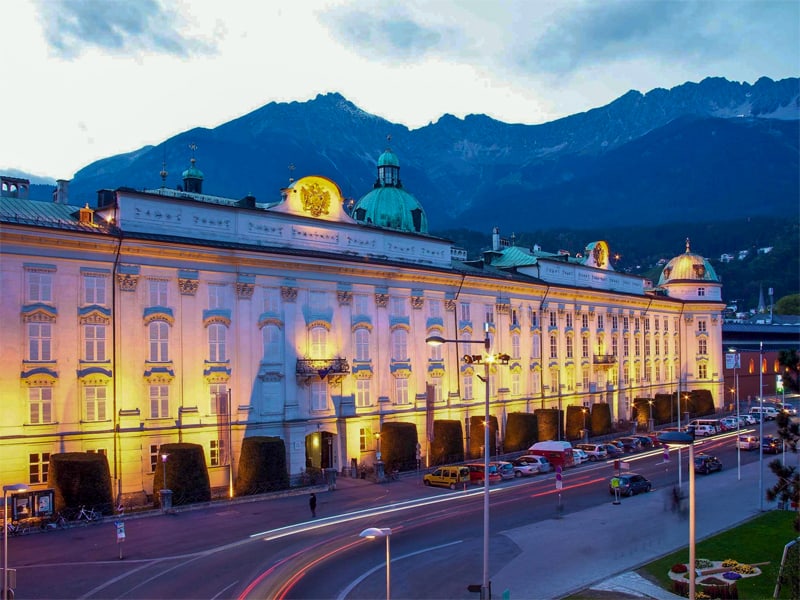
599,547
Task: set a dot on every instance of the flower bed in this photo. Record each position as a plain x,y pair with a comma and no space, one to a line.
714,578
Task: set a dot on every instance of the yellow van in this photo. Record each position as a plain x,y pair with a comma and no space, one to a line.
447,477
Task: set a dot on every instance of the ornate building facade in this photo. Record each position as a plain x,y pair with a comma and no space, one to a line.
170,315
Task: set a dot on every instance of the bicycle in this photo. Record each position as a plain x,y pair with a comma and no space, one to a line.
17,528
89,516
57,521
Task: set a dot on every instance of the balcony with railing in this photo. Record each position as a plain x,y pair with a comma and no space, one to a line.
604,360
324,368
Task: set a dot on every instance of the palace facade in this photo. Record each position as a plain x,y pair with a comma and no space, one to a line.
168,315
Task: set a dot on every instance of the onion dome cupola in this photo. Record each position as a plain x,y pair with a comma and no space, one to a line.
388,204
193,177
689,276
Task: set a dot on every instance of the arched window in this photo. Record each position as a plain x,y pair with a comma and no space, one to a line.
318,342
217,346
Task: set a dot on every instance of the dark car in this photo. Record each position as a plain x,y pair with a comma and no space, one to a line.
612,450
630,484
630,444
645,440
705,464
771,444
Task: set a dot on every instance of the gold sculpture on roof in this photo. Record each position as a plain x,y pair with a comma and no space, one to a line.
316,200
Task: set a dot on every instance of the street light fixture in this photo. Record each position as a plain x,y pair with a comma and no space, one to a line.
436,340
372,533
13,488
678,438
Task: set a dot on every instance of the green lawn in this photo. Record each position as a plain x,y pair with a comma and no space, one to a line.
757,541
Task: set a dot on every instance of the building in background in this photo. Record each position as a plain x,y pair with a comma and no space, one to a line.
168,316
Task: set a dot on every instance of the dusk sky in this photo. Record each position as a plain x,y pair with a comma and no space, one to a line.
88,79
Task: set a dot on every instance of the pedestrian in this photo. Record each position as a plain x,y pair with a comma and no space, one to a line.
312,504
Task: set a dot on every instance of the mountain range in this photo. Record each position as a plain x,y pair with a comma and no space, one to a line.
699,152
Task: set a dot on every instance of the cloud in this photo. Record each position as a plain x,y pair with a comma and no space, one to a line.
123,28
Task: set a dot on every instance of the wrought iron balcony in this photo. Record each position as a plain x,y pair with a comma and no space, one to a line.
604,359
322,367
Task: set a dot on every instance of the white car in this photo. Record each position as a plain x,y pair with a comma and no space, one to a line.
579,456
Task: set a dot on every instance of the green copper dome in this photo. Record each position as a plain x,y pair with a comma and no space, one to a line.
388,204
688,267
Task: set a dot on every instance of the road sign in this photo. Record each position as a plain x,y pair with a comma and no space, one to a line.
559,481
120,525
666,453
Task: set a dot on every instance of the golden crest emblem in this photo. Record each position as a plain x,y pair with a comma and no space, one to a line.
600,254
316,200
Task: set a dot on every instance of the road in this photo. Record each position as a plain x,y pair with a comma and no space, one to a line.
272,549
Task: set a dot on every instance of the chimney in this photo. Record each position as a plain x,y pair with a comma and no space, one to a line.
61,194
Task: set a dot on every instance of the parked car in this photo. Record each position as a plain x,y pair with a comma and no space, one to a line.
769,412
524,466
476,471
747,442
630,444
746,420
612,450
645,440
447,476
730,422
788,409
543,465
771,444
579,456
505,468
704,430
630,484
705,464
594,451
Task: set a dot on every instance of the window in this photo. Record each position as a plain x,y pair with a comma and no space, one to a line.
701,291
401,390
271,395
40,402
647,346
666,345
40,339
585,347
553,319
657,322
585,321
657,343
701,326
436,385
702,371
489,314
319,395
362,393
615,322
435,352
158,332
515,346
464,311
362,344
94,289
536,346
626,346
569,346
615,346
553,346
570,380
569,320
636,324
554,380
159,401
466,387
217,453
637,347
216,295
94,398
600,322
434,308
534,318
273,343
360,304
625,323
658,372
39,467
514,317
94,342
217,335
585,377
702,346
666,325
536,382
218,400
515,384
318,346
154,457
272,301
363,438
647,323
399,344
157,292
398,306
40,287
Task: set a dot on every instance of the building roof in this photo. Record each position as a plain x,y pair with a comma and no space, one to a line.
688,267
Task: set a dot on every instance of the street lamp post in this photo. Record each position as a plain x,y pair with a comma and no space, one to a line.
679,439
735,361
13,488
436,340
650,424
372,533
761,426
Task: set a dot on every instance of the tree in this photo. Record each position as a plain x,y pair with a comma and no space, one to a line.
787,488
790,361
788,305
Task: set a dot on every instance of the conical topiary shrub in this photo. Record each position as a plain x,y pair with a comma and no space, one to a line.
186,474
262,466
81,478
